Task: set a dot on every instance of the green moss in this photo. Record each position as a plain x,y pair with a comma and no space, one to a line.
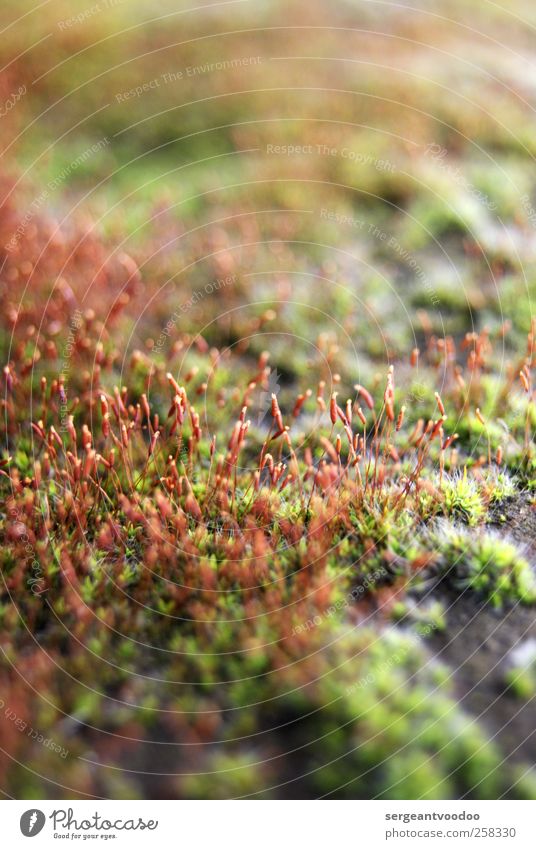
423,619
483,562
233,775
521,674
501,485
370,724
463,499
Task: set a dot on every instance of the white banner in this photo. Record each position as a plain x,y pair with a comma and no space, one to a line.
269,824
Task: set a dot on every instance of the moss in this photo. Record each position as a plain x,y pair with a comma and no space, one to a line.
233,775
371,725
463,499
501,485
483,562
422,619
521,673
